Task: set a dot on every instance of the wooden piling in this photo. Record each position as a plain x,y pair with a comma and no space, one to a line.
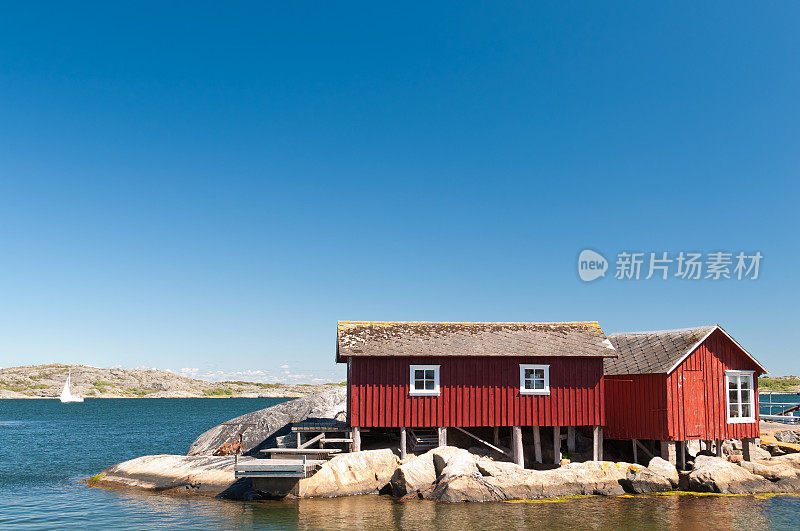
600,442
557,444
747,448
683,454
442,436
403,447
356,436
537,444
597,443
516,446
668,452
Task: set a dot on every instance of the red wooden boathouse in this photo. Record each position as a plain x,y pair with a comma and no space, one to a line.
675,385
468,375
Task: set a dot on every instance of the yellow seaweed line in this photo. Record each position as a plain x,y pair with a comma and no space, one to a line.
561,499
692,493
564,499
770,440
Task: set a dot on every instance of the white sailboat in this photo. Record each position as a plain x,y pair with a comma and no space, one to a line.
66,394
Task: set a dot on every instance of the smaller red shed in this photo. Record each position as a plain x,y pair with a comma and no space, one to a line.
676,385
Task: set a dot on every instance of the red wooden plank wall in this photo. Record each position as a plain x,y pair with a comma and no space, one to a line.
716,355
667,407
636,406
475,391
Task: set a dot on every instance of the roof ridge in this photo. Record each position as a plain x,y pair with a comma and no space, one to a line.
495,338
688,329
591,323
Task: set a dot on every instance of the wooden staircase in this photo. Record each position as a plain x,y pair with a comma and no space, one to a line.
286,441
420,440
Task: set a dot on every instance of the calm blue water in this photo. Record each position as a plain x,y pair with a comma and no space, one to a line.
766,409
46,447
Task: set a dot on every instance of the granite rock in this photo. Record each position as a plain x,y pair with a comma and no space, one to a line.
641,480
714,474
260,428
365,472
176,474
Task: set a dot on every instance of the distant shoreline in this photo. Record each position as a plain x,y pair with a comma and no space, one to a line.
779,384
47,381
149,397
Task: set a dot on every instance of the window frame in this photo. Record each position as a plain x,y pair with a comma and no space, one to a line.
436,391
522,390
729,375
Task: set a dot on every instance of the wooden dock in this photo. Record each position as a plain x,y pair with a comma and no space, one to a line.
276,468
302,461
320,425
300,453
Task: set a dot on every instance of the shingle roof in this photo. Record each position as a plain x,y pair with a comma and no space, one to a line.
361,338
653,352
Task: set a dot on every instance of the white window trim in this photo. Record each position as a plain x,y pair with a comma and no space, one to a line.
740,420
523,391
424,392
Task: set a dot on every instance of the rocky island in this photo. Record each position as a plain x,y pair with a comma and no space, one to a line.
446,473
46,381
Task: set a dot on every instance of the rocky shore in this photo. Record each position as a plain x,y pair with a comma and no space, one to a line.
450,474
446,474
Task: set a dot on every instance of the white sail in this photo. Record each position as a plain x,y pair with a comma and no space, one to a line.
66,394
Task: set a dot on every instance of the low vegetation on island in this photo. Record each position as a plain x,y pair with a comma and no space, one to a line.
789,384
46,381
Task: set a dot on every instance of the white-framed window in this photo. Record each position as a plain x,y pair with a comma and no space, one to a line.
424,380
534,379
739,392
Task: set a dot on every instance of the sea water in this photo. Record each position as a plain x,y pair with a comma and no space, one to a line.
47,447
768,405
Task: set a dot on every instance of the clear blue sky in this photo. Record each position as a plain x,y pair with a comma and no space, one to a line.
212,186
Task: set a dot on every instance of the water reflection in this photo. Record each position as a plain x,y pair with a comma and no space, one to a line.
653,512
82,507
